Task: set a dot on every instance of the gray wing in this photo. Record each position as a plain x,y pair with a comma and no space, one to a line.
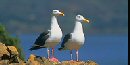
40,41
65,39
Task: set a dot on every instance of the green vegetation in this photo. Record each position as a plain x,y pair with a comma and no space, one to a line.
10,41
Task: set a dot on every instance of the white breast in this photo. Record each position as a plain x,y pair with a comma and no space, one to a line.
78,37
55,34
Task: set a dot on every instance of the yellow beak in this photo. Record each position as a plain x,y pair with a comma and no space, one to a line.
86,20
61,14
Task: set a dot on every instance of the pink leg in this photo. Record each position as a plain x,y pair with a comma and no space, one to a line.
52,52
48,53
77,55
71,55
53,58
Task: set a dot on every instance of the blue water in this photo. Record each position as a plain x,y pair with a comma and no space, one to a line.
105,50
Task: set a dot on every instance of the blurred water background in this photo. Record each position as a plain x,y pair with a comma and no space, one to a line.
106,34
104,49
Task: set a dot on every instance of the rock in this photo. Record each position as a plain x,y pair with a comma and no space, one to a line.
4,62
4,54
9,53
31,60
3,49
90,63
14,57
37,60
72,63
20,63
78,63
32,57
12,50
10,56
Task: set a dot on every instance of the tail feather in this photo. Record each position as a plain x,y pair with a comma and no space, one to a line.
35,48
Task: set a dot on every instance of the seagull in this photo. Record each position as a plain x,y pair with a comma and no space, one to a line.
50,38
74,40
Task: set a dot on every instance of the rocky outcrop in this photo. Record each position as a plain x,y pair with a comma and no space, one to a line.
10,56
37,60
3,51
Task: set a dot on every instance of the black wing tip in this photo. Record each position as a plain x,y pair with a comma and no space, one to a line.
36,48
30,49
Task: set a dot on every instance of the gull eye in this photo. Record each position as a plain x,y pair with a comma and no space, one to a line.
78,16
